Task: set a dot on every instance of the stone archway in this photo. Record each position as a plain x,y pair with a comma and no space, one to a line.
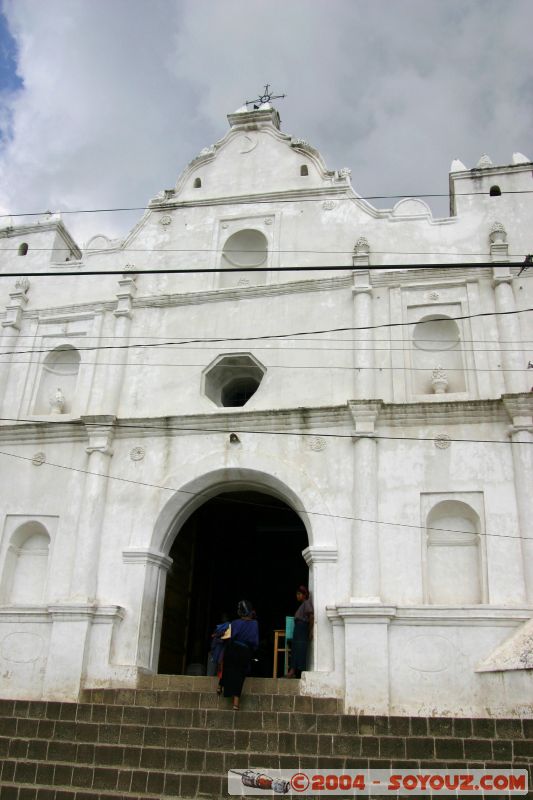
182,512
240,544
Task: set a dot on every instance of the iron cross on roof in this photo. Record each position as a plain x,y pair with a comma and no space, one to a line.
264,98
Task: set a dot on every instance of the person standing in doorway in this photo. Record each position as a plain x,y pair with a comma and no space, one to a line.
303,633
243,641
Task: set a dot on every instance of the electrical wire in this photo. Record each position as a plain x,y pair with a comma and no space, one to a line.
278,336
237,367
60,273
171,205
241,251
209,431
298,511
359,342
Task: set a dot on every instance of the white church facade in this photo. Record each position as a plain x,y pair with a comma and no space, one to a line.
173,439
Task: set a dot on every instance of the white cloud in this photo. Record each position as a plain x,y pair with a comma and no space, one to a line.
118,96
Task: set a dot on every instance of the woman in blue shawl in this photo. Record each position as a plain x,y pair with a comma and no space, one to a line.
238,651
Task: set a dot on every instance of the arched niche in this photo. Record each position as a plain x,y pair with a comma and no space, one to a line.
453,554
438,366
26,565
57,385
247,248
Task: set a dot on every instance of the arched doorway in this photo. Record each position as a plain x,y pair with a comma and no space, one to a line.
240,544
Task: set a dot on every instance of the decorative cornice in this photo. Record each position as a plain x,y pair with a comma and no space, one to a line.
145,555
319,192
364,414
519,407
309,421
366,612
100,431
408,278
442,413
465,616
320,554
25,614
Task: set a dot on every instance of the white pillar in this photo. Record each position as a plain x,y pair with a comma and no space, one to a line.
67,651
366,636
145,587
520,409
514,360
363,316
339,652
322,567
522,446
85,573
365,549
9,340
123,316
105,395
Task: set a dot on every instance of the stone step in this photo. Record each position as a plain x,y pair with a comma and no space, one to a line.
19,791
81,751
194,778
173,698
68,775
202,683
222,717
211,746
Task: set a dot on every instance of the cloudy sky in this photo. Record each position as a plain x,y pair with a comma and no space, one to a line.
103,102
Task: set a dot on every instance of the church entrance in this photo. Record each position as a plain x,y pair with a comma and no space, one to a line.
238,545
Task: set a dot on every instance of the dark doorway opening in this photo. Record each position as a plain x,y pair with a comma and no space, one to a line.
238,545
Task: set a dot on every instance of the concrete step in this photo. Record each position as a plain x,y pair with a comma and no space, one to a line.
202,683
19,791
171,698
80,751
220,716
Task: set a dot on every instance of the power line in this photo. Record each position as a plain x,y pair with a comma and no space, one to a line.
283,336
242,251
359,342
209,431
252,201
216,270
353,346
349,367
300,511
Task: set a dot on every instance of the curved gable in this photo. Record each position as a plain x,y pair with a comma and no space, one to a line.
253,158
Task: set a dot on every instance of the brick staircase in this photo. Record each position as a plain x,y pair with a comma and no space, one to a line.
174,738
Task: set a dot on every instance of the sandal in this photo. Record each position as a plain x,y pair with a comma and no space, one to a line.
236,708
219,690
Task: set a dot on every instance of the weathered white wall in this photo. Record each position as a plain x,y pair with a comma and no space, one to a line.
111,511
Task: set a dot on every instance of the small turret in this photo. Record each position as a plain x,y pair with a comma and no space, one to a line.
477,188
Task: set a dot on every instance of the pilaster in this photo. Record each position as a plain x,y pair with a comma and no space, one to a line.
100,431
363,317
11,328
146,581
322,567
365,550
366,637
123,316
513,359
520,409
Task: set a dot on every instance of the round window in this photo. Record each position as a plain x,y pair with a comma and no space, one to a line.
248,248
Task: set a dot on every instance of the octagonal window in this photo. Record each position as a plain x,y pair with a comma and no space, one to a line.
231,380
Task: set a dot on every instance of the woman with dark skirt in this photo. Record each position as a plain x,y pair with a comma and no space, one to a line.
238,652
303,633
